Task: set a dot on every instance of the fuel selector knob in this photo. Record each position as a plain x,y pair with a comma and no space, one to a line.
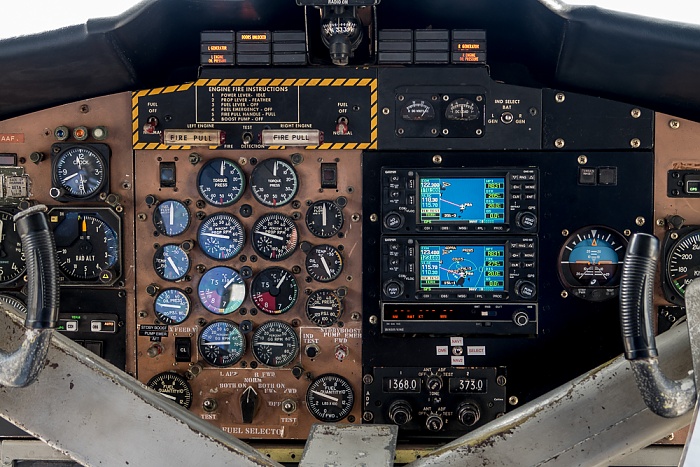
520,318
400,412
468,413
393,221
434,423
526,220
393,289
525,289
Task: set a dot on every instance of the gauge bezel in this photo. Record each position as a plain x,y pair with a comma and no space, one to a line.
254,185
236,197
325,277
255,282
312,226
294,237
290,358
344,412
669,246
164,232
309,314
169,321
226,311
242,337
23,265
159,250
228,216
58,151
175,376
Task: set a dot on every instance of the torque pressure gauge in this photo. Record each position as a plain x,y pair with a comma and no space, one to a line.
221,343
324,263
324,219
171,218
220,182
11,255
172,386
275,344
275,237
274,290
274,182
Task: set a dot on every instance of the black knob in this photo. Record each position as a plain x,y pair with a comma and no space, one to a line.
312,350
434,423
400,412
520,318
393,289
250,403
468,413
526,220
525,289
393,221
434,383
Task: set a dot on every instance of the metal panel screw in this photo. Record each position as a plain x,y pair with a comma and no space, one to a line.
559,143
565,233
640,221
564,294
400,131
479,98
373,319
400,98
437,159
635,143
674,236
367,379
512,400
660,222
582,160
386,111
636,113
445,131
674,124
373,217
445,98
141,216
627,232
501,380
368,416
559,97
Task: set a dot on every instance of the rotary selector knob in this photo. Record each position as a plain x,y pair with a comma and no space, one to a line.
468,413
526,220
525,289
393,289
400,412
393,221
434,423
520,318
434,383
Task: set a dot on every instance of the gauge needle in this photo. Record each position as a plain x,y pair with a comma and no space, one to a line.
217,343
276,237
323,215
326,396
172,398
227,237
172,216
166,305
71,176
274,170
221,172
172,263
271,344
231,281
325,265
320,307
279,284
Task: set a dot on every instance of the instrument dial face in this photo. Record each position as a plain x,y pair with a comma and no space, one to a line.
221,236
171,218
172,306
275,237
172,386
274,291
220,182
324,218
80,171
418,110
592,257
12,263
221,343
221,290
324,263
330,398
85,246
171,262
275,344
462,109
323,308
683,263
274,182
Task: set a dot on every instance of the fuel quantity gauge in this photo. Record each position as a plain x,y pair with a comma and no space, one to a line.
171,218
172,386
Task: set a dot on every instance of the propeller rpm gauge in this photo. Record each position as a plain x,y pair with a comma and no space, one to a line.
682,264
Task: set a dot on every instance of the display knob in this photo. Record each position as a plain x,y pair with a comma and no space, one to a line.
434,383
393,221
393,289
434,423
520,318
525,289
526,220
468,413
400,412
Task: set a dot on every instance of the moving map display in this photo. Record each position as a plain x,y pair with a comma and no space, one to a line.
468,267
465,200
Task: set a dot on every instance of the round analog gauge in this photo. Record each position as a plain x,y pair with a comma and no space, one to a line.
221,343
275,344
221,236
324,218
330,398
462,109
274,182
683,263
85,246
172,386
220,182
79,171
221,290
171,218
418,110
11,255
275,237
324,263
172,306
13,303
171,262
323,308
274,290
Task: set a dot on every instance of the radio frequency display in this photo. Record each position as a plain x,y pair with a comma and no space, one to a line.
468,267
466,200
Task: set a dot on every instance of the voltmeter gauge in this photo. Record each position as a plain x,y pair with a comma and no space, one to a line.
462,109
324,308
324,263
221,236
85,246
172,386
275,344
591,262
274,290
221,290
275,237
171,218
220,182
171,262
172,306
418,110
274,182
11,255
324,219
221,343
682,263
79,171
330,398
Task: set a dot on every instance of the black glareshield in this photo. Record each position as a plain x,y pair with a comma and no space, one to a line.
42,270
636,294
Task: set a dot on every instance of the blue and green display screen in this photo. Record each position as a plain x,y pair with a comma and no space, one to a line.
478,268
463,200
